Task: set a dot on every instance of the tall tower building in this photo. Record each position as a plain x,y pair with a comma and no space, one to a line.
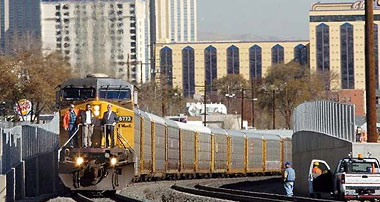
176,20
108,36
19,24
98,36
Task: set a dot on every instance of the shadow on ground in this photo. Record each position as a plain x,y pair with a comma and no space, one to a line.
273,185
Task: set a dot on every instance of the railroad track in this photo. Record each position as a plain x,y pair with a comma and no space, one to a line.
236,195
116,197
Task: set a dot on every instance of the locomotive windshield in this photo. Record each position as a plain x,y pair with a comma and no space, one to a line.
78,93
119,94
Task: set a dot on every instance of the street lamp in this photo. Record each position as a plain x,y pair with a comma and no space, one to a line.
253,100
229,96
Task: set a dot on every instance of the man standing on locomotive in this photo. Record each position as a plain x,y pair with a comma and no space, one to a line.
87,120
109,121
70,124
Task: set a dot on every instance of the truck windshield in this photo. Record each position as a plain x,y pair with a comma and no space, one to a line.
78,93
361,167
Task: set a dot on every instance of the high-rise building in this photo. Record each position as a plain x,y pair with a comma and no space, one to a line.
98,36
176,20
108,36
337,43
19,23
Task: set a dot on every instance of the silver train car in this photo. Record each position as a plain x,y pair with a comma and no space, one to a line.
167,149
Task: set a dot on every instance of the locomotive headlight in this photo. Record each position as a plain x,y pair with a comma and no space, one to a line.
113,161
96,110
79,161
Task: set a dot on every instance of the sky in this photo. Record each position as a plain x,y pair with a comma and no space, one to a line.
255,19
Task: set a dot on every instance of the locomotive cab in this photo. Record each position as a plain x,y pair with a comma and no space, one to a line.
97,167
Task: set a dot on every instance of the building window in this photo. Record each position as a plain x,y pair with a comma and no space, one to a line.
376,33
178,14
277,54
347,55
323,47
166,66
185,21
210,66
255,64
188,72
233,61
300,54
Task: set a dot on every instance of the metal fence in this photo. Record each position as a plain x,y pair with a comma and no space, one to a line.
330,118
28,159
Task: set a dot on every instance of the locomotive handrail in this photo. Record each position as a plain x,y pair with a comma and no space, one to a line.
121,137
67,142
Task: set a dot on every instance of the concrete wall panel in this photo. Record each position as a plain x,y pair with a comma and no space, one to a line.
3,187
311,145
364,148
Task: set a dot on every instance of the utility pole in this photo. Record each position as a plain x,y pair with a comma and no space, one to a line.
242,108
163,82
252,105
274,108
205,102
370,72
141,73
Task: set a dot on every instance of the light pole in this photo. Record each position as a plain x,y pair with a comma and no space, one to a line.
205,102
229,96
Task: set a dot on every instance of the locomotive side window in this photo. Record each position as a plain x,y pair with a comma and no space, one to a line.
119,94
78,93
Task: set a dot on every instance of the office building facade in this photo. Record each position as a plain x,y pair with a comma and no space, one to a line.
337,43
186,65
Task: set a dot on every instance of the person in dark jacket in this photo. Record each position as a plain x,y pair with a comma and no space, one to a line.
109,121
289,178
87,120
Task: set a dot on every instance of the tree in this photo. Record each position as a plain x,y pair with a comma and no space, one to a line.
33,76
152,95
289,85
231,84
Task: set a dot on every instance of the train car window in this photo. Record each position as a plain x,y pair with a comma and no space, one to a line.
119,94
78,93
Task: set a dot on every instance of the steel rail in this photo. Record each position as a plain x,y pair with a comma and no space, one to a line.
122,198
259,194
222,195
237,195
81,198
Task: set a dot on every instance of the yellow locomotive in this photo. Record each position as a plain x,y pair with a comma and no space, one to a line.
151,147
97,167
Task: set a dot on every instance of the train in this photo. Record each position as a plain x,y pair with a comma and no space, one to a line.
151,147
174,150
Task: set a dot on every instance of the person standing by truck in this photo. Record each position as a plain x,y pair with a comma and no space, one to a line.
289,179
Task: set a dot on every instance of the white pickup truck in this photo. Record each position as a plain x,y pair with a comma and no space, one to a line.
354,179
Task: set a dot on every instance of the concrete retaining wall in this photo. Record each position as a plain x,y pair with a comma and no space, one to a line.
28,160
364,148
3,187
311,145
